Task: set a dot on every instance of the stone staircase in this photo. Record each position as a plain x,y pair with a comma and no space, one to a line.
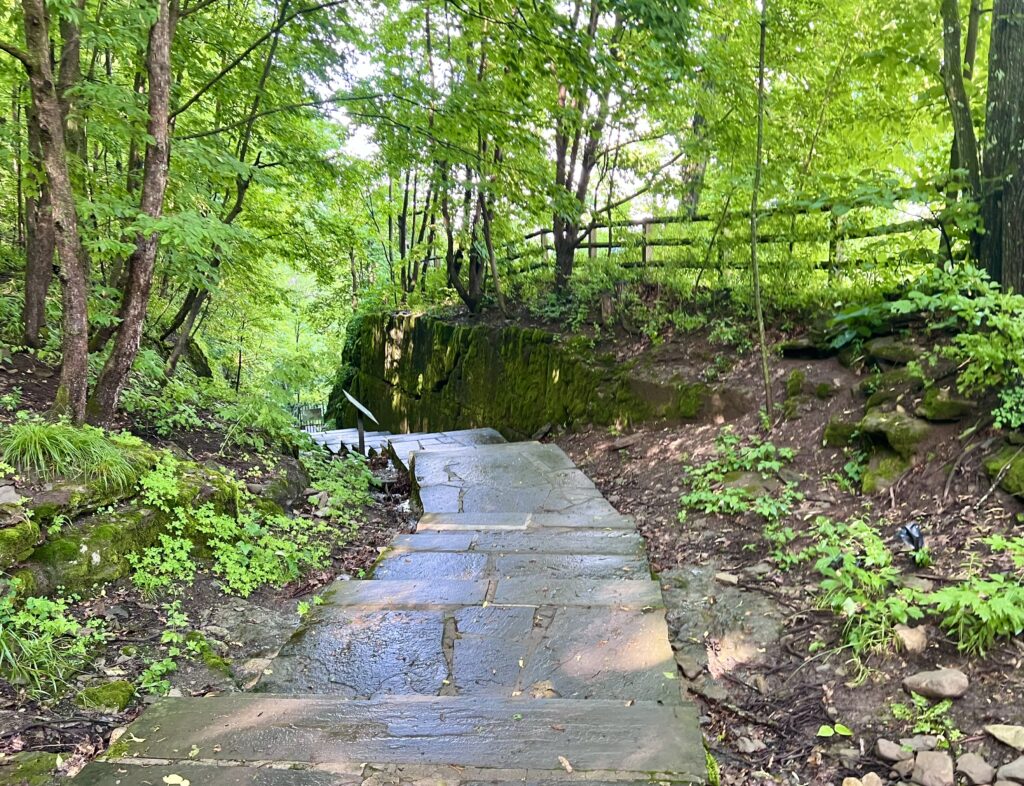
517,636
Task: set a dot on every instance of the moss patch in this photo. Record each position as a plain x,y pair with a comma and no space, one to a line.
17,541
795,383
884,469
1011,459
892,350
840,433
29,769
903,433
939,405
114,696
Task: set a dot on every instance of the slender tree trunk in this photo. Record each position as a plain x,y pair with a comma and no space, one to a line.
181,344
73,384
1003,199
39,241
964,136
769,398
135,302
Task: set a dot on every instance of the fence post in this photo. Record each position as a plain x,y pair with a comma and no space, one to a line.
544,244
648,250
592,239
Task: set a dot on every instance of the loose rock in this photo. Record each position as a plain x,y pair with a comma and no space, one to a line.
902,769
1014,771
747,745
871,779
913,640
939,684
933,768
1008,735
920,742
890,751
975,769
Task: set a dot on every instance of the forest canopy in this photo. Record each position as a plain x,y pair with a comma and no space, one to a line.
236,179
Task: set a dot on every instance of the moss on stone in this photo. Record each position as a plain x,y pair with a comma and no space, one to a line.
939,405
795,383
903,433
884,468
17,541
889,386
892,350
29,768
823,390
840,433
207,654
114,696
1011,459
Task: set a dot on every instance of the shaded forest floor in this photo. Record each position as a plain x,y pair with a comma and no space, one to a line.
764,659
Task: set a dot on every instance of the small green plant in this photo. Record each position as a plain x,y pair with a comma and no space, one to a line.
838,729
11,400
923,717
154,678
41,644
48,450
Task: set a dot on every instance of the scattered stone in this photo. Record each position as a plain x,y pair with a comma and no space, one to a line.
913,640
884,468
933,768
939,406
112,696
920,742
975,769
1005,783
1014,771
754,483
901,431
760,570
891,350
917,583
871,779
852,782
890,751
840,433
904,768
8,495
849,756
689,666
1008,735
727,578
1008,464
938,684
747,745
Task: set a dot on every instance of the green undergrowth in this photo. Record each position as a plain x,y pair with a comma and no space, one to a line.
861,578
46,450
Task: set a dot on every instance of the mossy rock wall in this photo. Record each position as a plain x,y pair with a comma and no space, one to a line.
419,373
94,550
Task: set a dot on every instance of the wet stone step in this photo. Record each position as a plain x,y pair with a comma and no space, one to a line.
651,740
132,774
522,521
477,565
402,446
549,541
547,652
529,591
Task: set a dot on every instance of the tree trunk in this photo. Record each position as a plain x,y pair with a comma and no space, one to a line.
184,335
964,136
73,384
1003,199
135,302
769,398
40,240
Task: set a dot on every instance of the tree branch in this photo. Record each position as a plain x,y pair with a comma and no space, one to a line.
250,49
17,54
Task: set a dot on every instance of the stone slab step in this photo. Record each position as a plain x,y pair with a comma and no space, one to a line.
506,651
650,740
130,773
522,521
402,446
444,593
548,541
482,565
376,441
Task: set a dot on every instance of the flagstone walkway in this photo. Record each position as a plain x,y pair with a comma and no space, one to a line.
516,637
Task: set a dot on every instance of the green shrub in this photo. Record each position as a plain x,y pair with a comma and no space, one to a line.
257,423
41,645
48,450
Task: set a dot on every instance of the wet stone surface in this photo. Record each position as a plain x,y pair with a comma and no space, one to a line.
516,637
